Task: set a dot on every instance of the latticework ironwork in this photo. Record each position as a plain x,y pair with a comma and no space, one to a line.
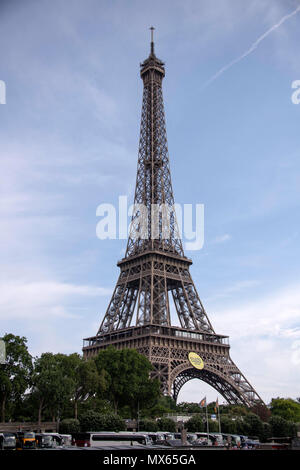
155,268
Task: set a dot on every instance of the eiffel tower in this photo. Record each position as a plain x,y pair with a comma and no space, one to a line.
155,268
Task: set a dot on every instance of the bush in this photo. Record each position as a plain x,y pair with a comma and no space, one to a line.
213,425
253,426
267,432
242,427
113,422
286,408
166,424
93,421
69,426
281,427
148,425
195,424
228,426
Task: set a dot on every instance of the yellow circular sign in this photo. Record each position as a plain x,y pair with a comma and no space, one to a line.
196,360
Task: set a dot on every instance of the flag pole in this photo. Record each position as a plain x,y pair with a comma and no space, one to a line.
207,426
219,419
217,410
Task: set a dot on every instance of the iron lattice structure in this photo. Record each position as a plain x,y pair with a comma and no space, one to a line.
155,268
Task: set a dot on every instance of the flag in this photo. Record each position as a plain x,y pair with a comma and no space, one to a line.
217,406
202,402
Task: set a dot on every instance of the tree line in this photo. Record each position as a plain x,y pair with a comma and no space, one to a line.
54,386
99,393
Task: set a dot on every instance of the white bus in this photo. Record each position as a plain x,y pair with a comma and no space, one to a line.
110,439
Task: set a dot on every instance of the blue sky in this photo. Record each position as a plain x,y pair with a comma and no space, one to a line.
69,140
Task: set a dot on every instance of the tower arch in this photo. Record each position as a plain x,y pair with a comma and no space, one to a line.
226,387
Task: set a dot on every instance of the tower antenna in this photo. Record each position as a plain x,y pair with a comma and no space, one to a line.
152,42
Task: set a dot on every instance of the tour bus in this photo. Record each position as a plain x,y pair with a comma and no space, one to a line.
66,439
52,440
112,439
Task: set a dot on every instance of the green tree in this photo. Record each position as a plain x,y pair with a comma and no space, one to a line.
195,423
241,426
97,404
149,425
52,383
128,378
281,427
185,407
25,409
163,405
261,411
93,421
166,424
286,408
69,426
15,374
267,432
234,410
87,382
253,426
213,425
228,425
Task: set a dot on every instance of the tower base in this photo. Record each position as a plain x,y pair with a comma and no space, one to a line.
168,347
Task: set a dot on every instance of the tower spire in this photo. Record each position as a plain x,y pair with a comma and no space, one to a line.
152,41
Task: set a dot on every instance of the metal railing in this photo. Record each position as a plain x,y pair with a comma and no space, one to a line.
146,330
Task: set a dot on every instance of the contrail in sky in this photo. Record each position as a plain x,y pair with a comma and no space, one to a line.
253,46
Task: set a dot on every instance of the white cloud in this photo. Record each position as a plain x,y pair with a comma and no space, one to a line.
42,299
253,46
272,315
233,289
222,238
